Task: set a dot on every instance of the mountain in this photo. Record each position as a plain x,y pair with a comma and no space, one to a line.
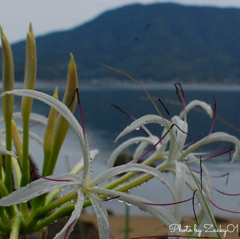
159,41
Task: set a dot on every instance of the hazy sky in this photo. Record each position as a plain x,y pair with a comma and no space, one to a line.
55,15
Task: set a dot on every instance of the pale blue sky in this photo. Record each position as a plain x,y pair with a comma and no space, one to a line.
55,15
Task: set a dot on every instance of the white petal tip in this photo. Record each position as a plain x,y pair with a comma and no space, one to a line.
3,150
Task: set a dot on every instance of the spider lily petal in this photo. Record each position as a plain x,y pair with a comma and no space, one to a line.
126,144
194,103
102,215
177,144
66,113
79,166
31,135
39,187
33,116
143,145
215,137
3,150
67,229
179,187
142,121
208,216
159,212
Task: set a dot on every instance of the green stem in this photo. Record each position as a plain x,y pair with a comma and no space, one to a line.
25,159
42,212
64,211
8,160
127,176
127,217
4,192
81,231
1,167
16,223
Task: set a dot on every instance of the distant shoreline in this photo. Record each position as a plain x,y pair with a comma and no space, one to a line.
128,85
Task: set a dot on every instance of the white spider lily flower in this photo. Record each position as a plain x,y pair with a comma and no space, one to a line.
176,145
175,133
177,137
85,186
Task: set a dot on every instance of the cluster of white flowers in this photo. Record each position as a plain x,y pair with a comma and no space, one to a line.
174,135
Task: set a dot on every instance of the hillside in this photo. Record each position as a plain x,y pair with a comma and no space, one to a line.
159,41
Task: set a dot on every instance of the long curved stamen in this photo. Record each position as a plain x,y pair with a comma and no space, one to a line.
66,234
17,104
218,176
108,199
154,146
80,109
181,96
225,210
165,109
174,203
130,116
123,111
221,152
167,204
81,114
51,179
193,141
227,194
223,175
111,234
179,91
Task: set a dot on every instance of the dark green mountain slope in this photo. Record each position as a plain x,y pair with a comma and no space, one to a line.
158,41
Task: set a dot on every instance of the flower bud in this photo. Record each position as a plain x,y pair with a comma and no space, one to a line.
30,72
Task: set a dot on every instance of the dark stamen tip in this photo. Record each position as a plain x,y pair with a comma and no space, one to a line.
179,91
130,116
201,171
195,215
165,109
